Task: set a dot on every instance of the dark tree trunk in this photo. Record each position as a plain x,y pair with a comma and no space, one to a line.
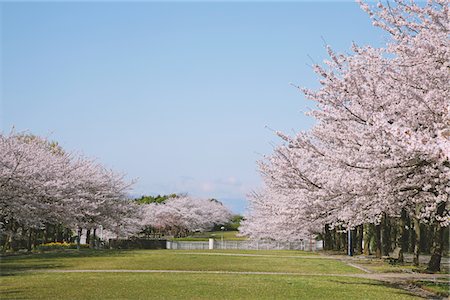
79,231
344,240
417,236
59,233
406,240
367,238
336,239
88,236
29,240
378,251
92,239
385,236
328,239
12,243
412,237
359,240
33,241
425,235
401,235
434,265
65,236
7,242
417,242
46,234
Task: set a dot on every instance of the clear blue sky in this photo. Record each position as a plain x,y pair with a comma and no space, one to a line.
174,94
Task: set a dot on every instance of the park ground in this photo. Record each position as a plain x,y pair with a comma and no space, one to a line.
213,274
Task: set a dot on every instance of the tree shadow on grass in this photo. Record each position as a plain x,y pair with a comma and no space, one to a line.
399,287
11,265
13,294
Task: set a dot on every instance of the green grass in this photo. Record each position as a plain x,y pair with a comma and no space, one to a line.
204,236
191,286
25,276
275,261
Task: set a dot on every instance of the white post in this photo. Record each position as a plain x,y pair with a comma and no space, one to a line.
211,244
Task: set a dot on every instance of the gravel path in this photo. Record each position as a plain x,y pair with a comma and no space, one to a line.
376,276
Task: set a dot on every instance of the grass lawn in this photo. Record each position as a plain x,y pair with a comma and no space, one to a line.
22,276
273,261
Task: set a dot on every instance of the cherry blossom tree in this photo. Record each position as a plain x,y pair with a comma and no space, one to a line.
380,144
281,220
41,185
183,214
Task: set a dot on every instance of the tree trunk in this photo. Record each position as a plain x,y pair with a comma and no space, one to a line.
385,236
434,265
29,240
378,250
328,239
58,233
46,234
401,235
88,236
417,242
12,243
367,238
412,237
417,236
33,240
336,238
7,234
344,240
65,237
359,239
92,239
79,231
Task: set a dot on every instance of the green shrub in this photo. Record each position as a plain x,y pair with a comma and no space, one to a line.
59,246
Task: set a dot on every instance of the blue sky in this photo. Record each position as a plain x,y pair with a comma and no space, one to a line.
175,94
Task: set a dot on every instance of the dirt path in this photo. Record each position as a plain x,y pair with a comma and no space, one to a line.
375,276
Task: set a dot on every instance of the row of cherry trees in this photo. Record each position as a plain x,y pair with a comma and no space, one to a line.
46,192
380,147
180,215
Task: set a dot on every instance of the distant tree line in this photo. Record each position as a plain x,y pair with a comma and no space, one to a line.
181,215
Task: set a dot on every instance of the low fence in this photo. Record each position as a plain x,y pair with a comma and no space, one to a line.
312,245
184,245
